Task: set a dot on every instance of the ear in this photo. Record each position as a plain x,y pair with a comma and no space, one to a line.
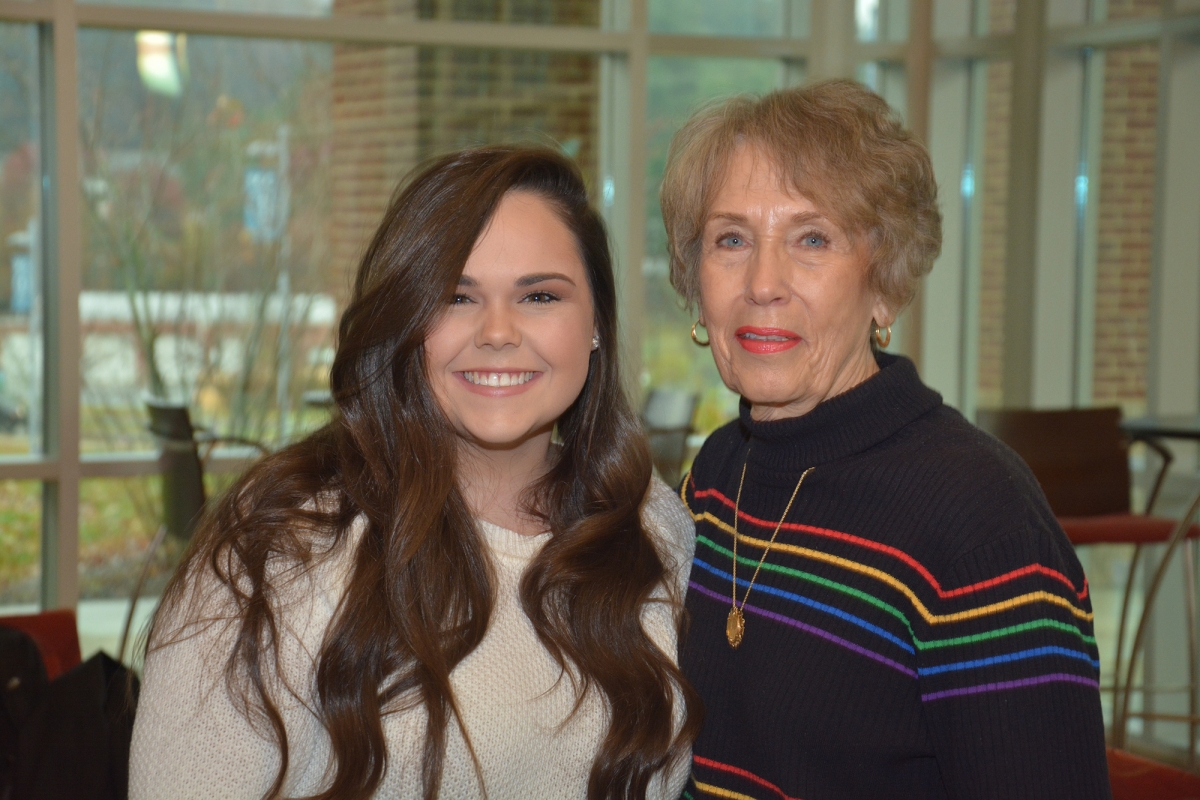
882,314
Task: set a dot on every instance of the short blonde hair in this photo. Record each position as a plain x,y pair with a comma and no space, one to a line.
837,144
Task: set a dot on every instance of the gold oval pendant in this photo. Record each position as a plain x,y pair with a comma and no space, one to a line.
735,627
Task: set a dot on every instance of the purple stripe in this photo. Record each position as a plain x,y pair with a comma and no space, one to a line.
762,612
999,687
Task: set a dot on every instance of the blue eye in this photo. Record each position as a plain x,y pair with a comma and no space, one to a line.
814,240
731,240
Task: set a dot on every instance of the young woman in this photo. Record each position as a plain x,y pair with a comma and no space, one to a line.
466,585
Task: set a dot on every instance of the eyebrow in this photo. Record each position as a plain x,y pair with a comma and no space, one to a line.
539,277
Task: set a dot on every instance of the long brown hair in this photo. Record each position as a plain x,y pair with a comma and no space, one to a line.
420,591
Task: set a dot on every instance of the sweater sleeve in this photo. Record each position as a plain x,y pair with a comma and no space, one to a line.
675,537
190,738
1009,672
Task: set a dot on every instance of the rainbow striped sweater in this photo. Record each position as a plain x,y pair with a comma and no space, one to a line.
921,627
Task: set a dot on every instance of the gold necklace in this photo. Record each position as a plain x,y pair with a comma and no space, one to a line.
735,623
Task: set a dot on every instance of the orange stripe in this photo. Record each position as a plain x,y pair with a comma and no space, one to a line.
741,773
895,583
892,551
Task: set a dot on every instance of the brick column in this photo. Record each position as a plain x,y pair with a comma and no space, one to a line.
375,139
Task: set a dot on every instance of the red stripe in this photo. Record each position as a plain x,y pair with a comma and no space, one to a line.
900,554
741,773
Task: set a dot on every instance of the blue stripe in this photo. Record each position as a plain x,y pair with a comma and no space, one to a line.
1050,650
805,601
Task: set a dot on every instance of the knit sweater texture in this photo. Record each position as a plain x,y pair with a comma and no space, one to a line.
191,741
921,627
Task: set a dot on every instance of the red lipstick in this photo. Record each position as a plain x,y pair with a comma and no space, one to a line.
765,341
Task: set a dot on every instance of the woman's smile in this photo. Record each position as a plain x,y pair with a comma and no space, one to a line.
487,382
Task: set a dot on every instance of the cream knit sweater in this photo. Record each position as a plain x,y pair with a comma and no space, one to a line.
190,741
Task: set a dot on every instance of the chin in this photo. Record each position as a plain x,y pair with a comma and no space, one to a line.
499,437
767,394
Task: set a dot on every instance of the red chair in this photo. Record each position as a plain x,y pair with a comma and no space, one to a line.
1080,456
56,637
1136,778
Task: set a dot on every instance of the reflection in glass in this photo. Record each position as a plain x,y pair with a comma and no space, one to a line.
20,234
722,18
537,12
881,20
20,546
677,86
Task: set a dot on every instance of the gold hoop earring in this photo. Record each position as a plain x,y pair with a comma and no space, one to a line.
882,341
695,338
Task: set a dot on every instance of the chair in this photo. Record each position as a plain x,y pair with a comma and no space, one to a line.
1081,459
1136,778
182,468
667,418
56,636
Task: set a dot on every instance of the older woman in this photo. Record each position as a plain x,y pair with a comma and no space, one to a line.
882,604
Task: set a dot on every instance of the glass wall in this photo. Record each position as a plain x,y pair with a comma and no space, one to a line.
20,543
21,312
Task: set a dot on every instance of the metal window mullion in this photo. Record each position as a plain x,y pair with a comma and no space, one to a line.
358,30
1021,232
1087,219
26,10
62,250
633,291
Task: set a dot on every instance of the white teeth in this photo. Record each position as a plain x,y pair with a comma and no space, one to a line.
498,379
758,338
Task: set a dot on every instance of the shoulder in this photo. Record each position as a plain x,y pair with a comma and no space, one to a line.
969,485
669,523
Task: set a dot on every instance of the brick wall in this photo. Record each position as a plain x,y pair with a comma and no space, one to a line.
1124,230
375,136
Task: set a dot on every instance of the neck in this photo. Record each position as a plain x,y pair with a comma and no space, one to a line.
494,479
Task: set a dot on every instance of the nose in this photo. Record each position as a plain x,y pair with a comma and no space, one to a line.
768,274
498,328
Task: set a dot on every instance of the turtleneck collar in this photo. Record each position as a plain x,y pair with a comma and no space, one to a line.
844,425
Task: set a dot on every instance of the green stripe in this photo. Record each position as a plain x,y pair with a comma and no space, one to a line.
933,644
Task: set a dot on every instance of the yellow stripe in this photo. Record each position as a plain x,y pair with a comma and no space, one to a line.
717,791
863,569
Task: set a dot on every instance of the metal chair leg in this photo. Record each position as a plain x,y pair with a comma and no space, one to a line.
1177,536
1118,721
1189,606
155,543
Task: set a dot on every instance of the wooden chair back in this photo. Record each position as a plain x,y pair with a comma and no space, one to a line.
1080,456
